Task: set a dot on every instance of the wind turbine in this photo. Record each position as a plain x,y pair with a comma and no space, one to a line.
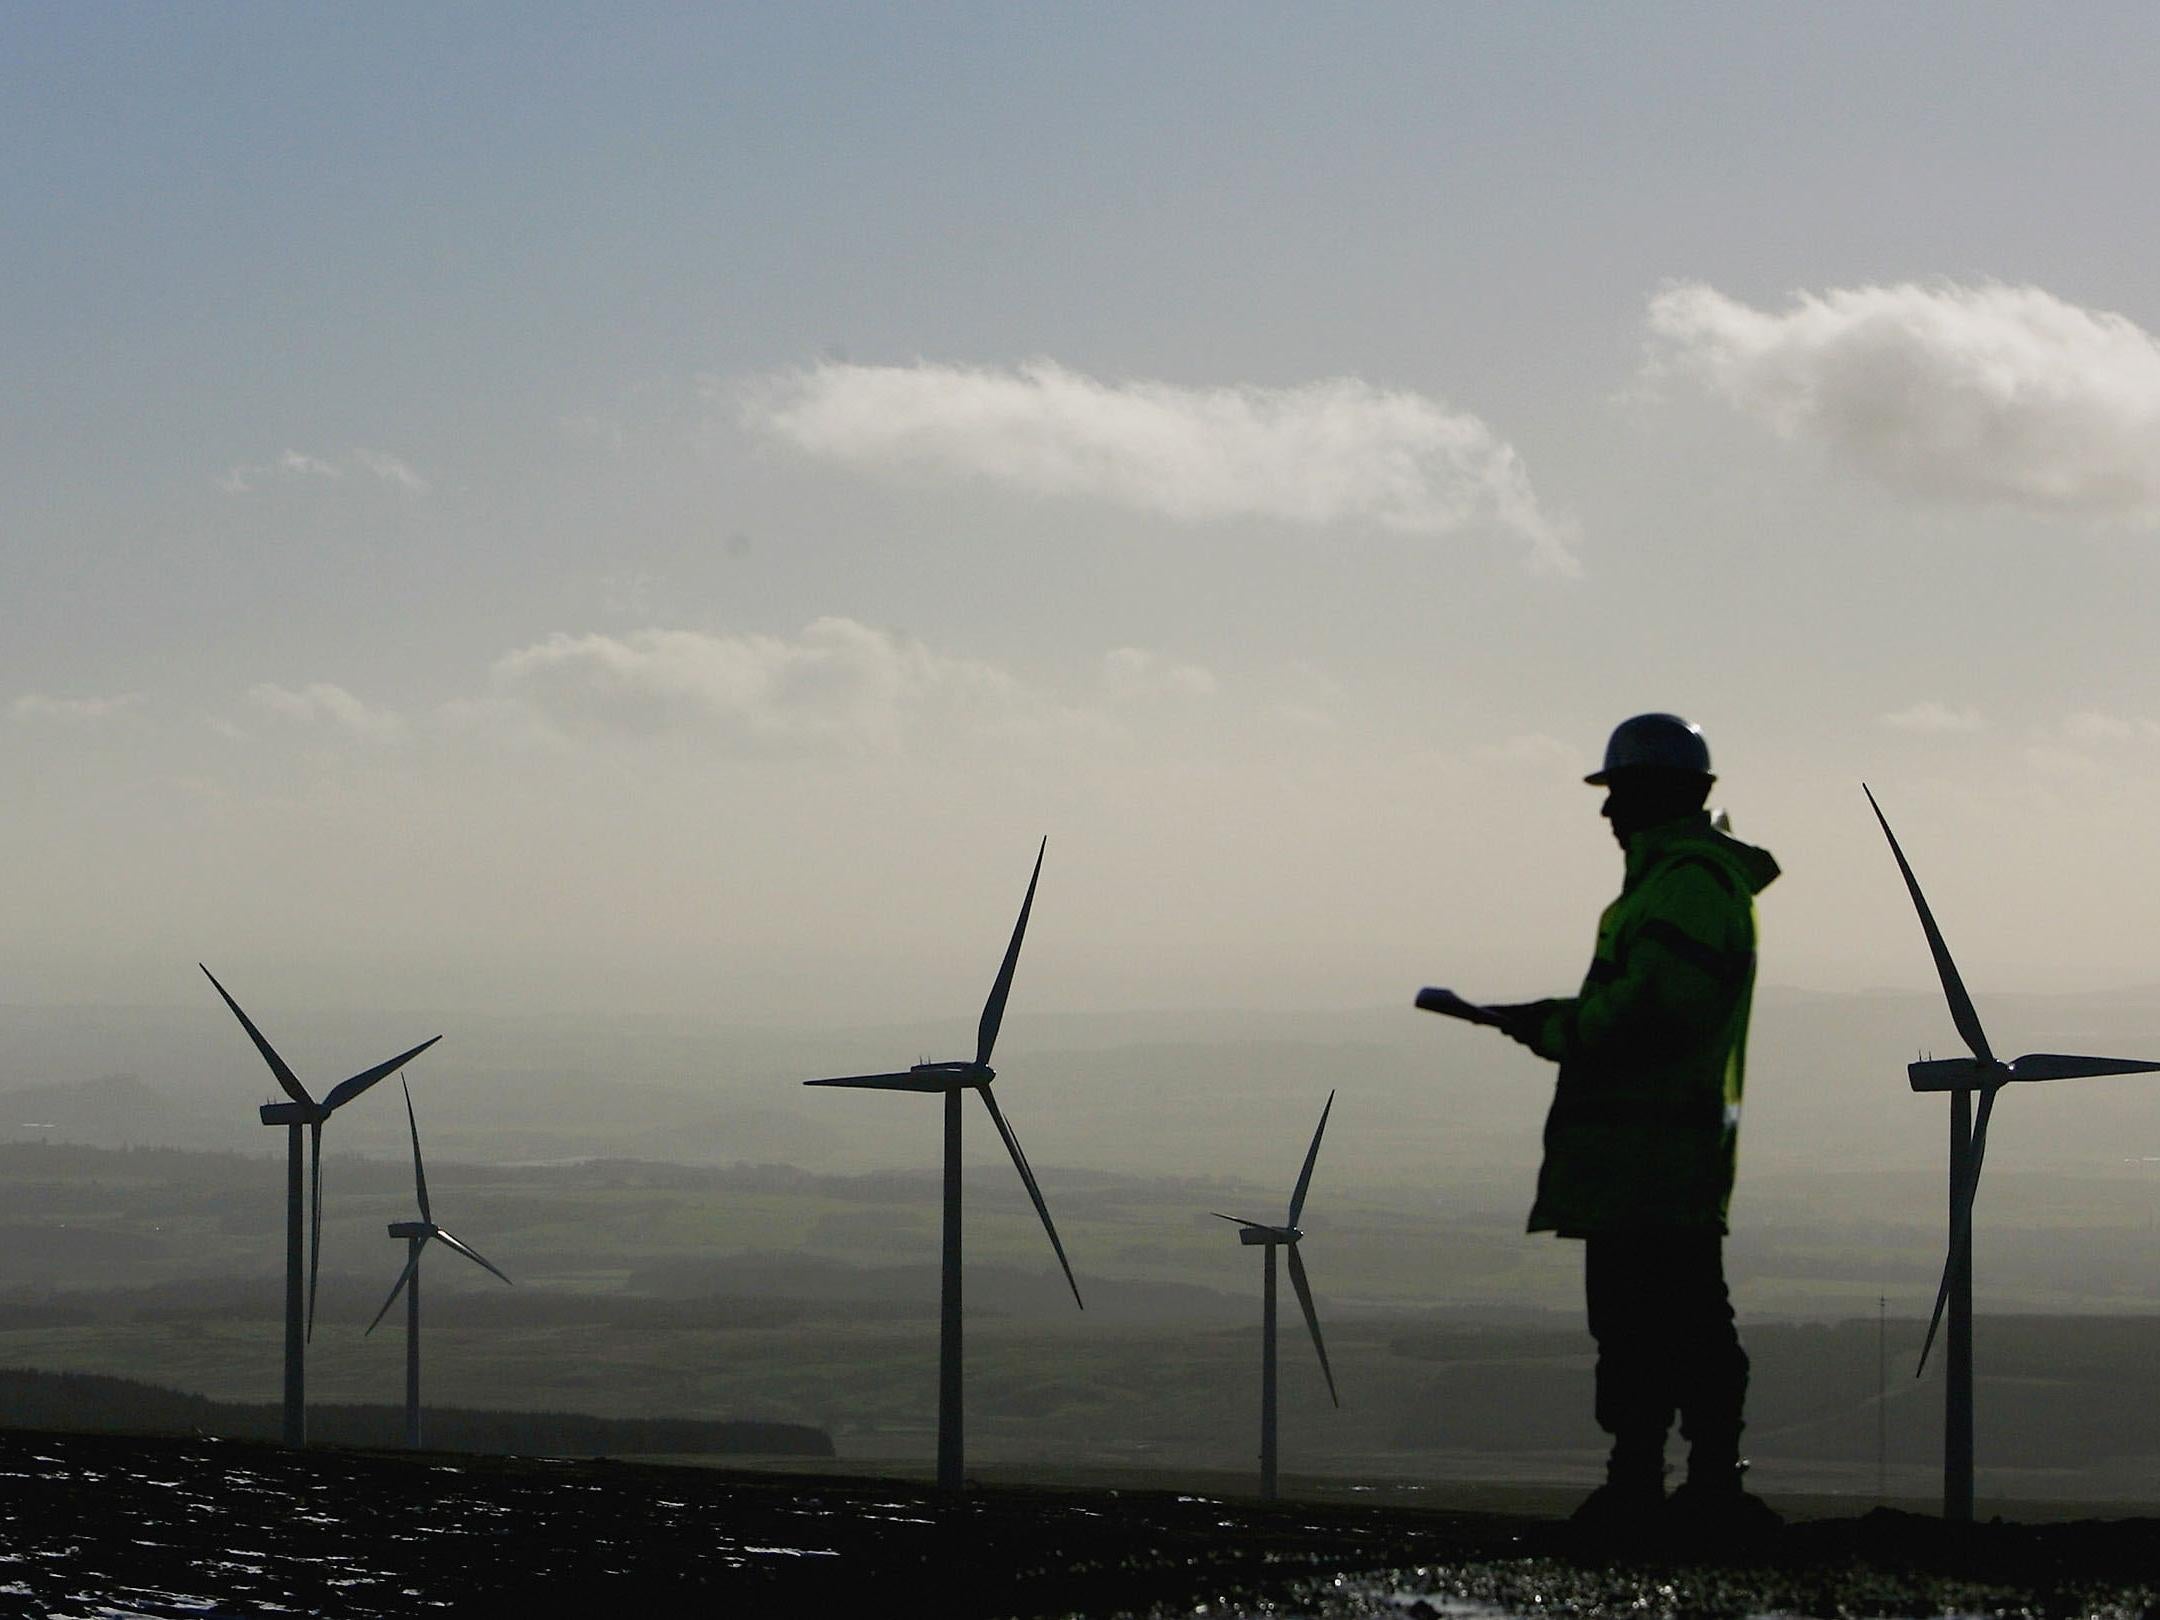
303,1110
1271,1238
1961,1077
951,1079
416,1235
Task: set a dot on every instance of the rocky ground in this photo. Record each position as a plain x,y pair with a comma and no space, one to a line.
109,1525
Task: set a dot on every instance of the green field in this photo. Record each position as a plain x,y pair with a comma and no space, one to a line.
669,1291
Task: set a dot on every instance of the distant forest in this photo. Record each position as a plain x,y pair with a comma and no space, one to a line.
94,1403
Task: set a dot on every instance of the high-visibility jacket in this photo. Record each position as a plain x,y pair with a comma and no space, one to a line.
1645,1119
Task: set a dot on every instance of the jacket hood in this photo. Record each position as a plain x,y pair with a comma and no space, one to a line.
1753,867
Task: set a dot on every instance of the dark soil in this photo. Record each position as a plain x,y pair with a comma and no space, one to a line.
190,1526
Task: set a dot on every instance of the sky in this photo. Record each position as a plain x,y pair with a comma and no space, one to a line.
659,509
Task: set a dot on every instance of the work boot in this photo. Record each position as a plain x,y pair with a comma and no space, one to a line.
1615,1512
1631,1500
1713,1509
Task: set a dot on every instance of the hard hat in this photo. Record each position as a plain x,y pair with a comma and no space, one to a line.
1662,742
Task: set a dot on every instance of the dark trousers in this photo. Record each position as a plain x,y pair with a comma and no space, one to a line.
1664,1329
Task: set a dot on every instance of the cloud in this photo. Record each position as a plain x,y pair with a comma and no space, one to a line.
295,466
321,703
1317,454
1132,674
292,465
2093,728
306,466
391,470
1931,716
838,685
1313,700
1984,393
41,706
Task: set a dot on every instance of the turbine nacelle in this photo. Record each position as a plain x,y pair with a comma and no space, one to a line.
959,1072
1955,1074
1251,1233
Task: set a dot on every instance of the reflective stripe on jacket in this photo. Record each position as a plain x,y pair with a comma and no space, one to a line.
1645,1118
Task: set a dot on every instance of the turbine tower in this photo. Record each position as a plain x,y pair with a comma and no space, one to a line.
416,1235
304,1110
1271,1238
1961,1077
951,1080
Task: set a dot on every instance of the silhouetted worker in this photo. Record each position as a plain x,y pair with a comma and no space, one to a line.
1640,1143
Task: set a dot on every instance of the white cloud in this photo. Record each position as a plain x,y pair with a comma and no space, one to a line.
1313,700
1931,716
293,464
1133,674
1974,393
321,703
391,470
306,466
839,684
1317,454
297,465
2094,728
42,706
2095,746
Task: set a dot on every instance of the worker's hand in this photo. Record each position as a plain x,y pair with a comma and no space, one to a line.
1523,1021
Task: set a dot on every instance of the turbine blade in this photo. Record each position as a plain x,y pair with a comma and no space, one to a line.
1239,1220
1312,1319
993,1015
419,1174
470,1253
1961,1220
2060,1066
1304,1180
315,1224
887,1082
397,1288
1942,1298
1961,1007
289,1081
1978,1155
346,1090
1027,1178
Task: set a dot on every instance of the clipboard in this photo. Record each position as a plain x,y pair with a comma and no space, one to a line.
1448,1004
